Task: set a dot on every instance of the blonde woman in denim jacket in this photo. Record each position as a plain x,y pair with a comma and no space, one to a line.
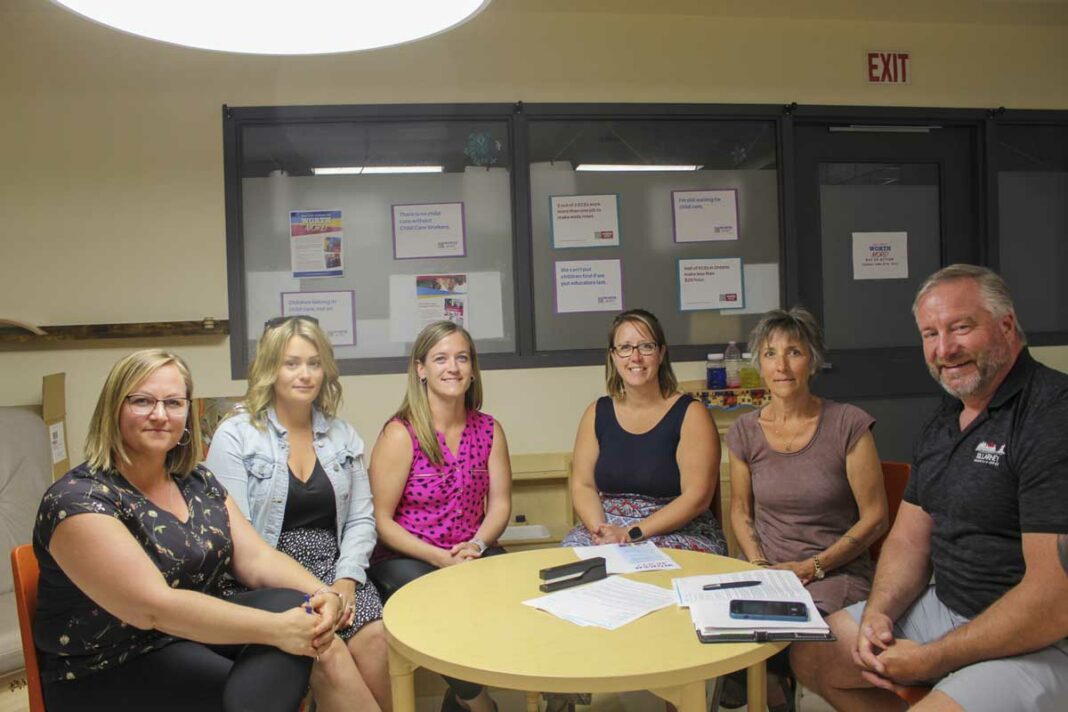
297,472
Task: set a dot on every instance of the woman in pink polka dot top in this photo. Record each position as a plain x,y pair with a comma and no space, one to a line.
440,477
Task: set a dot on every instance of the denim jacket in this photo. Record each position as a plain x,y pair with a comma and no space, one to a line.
253,465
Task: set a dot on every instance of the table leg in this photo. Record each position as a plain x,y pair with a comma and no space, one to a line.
402,682
686,698
757,688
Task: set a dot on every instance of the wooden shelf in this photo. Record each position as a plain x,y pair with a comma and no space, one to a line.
541,494
727,398
10,334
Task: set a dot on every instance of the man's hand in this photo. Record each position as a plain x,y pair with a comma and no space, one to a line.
876,634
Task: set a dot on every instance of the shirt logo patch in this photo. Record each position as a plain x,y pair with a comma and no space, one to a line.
988,453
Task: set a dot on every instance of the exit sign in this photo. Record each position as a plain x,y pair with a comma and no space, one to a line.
889,68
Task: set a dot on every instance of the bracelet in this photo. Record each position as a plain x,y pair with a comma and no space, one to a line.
763,563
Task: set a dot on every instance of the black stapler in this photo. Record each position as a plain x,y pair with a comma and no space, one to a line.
568,575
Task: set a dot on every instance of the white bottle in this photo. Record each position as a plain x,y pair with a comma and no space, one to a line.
733,358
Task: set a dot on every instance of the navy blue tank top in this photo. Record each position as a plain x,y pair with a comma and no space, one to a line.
638,464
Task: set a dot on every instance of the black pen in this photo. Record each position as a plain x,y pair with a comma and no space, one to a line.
729,584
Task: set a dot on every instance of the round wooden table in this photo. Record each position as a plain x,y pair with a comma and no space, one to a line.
468,622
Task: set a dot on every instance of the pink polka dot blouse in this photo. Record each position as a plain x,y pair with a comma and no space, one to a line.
444,504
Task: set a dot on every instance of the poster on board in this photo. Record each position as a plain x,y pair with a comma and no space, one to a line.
483,307
711,284
880,255
441,296
584,220
336,312
705,215
315,238
589,286
428,230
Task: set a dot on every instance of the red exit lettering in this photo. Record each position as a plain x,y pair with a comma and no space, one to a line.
889,68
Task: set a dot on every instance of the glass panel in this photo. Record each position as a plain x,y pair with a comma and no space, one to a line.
1033,222
738,155
875,197
472,158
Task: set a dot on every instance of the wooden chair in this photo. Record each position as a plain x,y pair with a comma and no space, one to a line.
25,572
895,477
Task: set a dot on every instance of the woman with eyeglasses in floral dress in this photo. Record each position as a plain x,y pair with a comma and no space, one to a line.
646,458
296,470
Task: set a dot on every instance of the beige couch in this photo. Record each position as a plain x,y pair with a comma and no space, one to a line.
25,473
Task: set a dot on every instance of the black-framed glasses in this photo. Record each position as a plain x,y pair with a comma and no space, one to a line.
279,320
141,404
645,348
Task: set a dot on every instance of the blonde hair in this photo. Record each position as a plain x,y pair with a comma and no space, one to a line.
271,351
104,448
415,408
647,322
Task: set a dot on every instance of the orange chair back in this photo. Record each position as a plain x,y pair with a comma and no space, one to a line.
895,477
25,573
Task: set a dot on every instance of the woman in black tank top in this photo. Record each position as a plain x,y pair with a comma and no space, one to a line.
646,459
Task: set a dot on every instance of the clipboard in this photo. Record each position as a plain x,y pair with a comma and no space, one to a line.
764,636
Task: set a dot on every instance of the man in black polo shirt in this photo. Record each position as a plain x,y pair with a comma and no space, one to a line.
983,510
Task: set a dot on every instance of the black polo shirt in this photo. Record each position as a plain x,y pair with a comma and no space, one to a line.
1007,473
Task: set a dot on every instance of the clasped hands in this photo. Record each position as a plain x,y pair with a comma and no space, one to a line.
891,663
459,553
308,629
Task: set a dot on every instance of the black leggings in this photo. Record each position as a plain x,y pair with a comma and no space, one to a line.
193,676
391,574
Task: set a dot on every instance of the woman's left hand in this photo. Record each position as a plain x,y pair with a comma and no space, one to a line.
804,570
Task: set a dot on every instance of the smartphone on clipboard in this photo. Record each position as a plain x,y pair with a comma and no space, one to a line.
790,611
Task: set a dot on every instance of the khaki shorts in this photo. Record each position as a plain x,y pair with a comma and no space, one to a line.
1036,681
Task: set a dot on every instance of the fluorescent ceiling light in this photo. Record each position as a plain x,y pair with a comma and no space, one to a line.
872,128
369,170
277,27
634,167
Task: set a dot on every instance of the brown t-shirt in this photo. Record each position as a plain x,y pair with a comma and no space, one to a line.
803,502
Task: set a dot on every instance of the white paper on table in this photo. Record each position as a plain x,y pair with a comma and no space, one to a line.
775,585
609,603
628,558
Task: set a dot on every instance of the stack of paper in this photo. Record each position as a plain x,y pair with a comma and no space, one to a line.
628,558
710,610
608,603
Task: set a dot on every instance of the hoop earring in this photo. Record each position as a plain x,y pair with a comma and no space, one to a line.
472,379
185,432
423,381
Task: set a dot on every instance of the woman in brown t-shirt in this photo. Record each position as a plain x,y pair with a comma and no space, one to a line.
806,484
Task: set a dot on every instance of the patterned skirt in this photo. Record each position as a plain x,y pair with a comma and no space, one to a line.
317,551
701,533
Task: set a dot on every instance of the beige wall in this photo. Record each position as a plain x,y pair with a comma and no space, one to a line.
111,154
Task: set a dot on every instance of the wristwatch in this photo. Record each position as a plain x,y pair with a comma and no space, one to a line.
481,545
635,534
820,573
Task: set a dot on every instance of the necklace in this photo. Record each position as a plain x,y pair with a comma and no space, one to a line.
802,423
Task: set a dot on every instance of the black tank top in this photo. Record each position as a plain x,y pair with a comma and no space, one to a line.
310,504
639,464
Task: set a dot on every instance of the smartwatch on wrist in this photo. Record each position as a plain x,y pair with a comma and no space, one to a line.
635,534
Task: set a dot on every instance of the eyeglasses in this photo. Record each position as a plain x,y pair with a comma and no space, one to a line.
279,320
645,348
141,404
